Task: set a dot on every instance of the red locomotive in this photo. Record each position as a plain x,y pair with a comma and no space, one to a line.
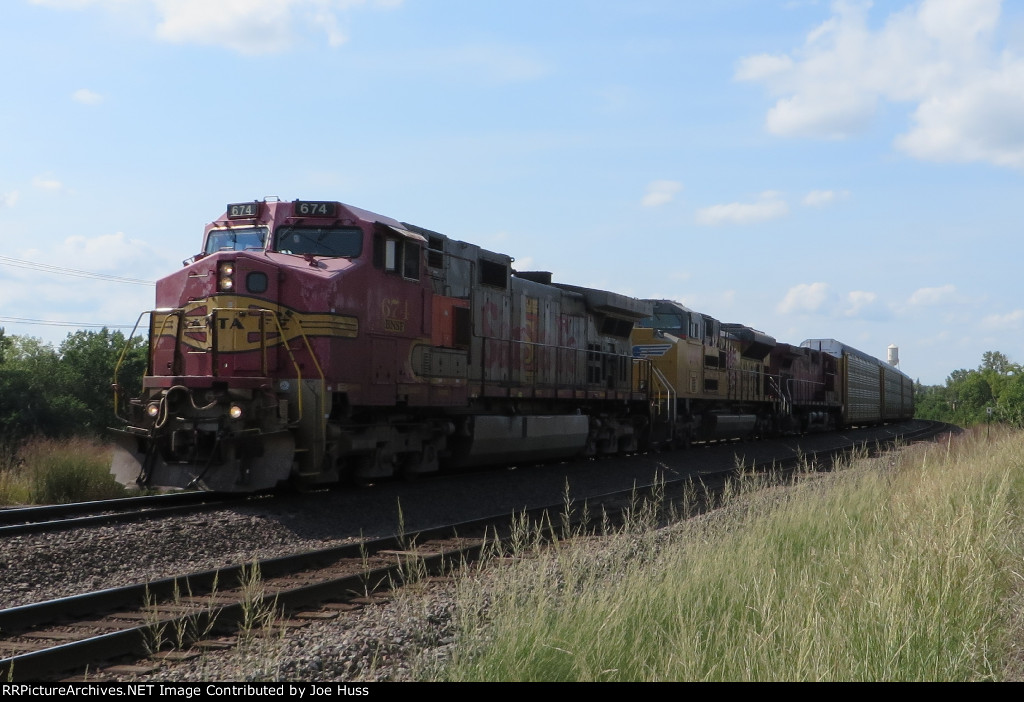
312,342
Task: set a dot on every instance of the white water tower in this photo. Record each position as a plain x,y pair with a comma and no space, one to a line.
894,355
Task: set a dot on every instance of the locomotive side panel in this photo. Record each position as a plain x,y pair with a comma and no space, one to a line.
807,382
571,351
534,335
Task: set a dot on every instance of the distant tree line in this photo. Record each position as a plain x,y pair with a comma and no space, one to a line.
968,395
65,390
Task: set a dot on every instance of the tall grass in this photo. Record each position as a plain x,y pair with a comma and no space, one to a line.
896,568
51,471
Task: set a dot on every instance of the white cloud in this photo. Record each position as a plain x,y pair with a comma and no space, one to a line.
820,198
925,297
86,97
861,304
246,26
831,114
807,297
762,67
107,253
820,299
661,192
1010,320
46,183
858,300
980,122
38,294
769,206
78,4
940,56
9,199
491,63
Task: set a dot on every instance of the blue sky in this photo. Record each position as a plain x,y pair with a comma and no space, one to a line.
811,169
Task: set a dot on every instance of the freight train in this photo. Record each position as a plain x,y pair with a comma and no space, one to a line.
313,342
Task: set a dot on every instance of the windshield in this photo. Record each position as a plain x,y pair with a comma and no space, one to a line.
663,320
346,242
237,239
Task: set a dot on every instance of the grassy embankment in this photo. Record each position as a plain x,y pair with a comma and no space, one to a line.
904,567
49,471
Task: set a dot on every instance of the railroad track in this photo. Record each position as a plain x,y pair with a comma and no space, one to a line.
26,520
56,638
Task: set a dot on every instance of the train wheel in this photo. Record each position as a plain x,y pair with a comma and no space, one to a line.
417,463
372,466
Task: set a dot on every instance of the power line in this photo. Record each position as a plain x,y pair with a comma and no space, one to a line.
52,323
47,268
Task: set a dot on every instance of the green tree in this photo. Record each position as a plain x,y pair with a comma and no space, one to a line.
931,402
90,358
59,392
975,395
34,392
997,383
1010,406
996,362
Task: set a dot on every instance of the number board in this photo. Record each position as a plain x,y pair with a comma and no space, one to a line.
310,208
243,210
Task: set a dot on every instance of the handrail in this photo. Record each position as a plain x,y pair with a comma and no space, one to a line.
579,356
170,313
120,360
316,362
295,363
670,392
124,352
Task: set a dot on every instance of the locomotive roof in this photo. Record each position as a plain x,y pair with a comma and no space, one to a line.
838,348
835,348
610,302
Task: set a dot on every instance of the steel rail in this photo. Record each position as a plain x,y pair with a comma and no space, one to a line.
430,550
25,520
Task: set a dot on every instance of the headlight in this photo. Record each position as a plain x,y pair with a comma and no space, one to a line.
225,276
235,412
153,409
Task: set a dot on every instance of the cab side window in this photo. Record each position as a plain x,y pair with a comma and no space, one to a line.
397,256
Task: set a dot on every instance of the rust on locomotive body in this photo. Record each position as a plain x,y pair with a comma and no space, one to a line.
311,342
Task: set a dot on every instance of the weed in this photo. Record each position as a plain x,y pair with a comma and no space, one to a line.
888,568
156,628
258,612
51,471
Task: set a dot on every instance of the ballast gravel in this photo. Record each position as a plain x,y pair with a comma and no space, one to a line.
391,640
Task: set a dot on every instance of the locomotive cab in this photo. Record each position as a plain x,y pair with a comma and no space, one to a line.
235,367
